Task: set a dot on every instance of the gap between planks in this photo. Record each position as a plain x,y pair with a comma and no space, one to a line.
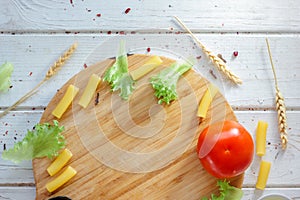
112,33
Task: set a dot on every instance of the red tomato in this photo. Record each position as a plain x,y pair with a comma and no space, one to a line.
225,149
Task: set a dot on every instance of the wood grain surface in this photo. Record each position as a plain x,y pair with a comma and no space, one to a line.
134,149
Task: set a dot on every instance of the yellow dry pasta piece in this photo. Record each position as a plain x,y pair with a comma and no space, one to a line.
263,175
206,100
59,162
89,90
65,102
61,179
150,65
261,132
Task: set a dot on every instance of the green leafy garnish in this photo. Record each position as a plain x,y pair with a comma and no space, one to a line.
43,140
227,192
117,75
165,82
5,72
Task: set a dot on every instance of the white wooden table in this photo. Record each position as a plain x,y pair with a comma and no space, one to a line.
34,33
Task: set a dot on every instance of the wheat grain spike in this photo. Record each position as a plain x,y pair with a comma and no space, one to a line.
280,106
219,63
281,112
61,61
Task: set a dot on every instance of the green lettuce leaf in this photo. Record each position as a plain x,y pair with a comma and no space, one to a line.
227,192
165,82
44,140
5,72
117,75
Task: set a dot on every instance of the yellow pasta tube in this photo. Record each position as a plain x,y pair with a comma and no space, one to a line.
206,100
263,175
59,162
261,132
61,179
89,90
150,64
65,102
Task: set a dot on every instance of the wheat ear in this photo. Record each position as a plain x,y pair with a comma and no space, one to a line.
219,63
60,62
51,72
280,105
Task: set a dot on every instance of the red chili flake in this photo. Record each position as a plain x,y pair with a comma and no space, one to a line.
6,132
127,10
177,32
199,57
30,73
133,32
98,15
108,32
148,49
33,108
85,66
6,124
122,32
71,1
235,53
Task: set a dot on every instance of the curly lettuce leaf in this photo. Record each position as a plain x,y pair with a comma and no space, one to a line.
165,82
44,140
117,75
227,192
5,73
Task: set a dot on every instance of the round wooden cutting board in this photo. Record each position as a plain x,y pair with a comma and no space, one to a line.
135,149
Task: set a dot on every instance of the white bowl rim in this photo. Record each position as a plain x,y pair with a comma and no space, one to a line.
274,195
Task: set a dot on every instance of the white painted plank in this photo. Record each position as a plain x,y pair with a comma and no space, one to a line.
149,16
35,53
13,127
17,193
16,174
285,165
21,193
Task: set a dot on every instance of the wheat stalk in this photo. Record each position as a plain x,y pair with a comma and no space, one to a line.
219,63
51,72
280,105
